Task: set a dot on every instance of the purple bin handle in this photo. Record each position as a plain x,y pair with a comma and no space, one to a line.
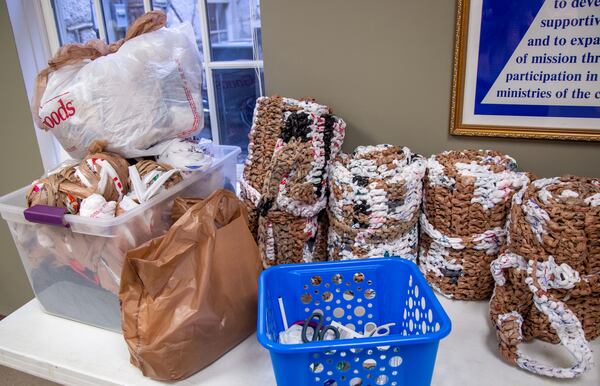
45,214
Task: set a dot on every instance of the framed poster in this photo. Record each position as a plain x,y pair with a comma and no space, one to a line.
527,68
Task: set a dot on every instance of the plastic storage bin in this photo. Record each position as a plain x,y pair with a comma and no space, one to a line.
389,290
74,263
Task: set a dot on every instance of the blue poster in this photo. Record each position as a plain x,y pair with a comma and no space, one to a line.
539,58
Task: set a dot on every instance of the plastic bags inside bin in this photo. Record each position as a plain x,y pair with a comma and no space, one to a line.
133,93
185,154
102,185
99,172
50,249
190,296
148,178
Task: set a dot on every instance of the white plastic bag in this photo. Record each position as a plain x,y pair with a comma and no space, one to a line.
146,92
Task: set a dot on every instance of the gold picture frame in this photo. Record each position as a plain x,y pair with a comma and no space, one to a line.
457,127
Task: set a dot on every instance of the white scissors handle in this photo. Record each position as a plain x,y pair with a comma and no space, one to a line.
346,332
371,329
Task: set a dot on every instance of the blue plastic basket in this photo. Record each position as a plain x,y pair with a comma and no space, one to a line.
353,293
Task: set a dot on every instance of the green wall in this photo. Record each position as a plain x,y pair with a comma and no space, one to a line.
385,67
20,162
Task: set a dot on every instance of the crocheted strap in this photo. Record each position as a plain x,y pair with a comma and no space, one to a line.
542,276
247,191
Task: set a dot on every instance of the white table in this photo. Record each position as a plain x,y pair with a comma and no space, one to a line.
76,354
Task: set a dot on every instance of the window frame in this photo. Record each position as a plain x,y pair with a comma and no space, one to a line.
37,39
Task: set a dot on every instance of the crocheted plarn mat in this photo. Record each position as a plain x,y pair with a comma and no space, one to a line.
467,196
374,203
284,184
548,277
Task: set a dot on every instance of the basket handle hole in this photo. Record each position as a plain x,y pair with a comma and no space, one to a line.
359,277
356,381
306,298
370,294
348,295
343,366
316,367
395,361
337,279
369,364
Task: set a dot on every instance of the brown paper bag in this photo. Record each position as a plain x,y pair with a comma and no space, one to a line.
182,205
190,296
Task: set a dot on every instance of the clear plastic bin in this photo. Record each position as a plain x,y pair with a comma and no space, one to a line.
75,267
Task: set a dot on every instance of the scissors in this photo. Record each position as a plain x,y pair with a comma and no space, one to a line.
371,329
319,329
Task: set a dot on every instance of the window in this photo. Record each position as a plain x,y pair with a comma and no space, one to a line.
228,35
75,24
217,13
118,15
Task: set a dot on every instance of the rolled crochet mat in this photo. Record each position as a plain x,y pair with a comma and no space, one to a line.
467,197
374,203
